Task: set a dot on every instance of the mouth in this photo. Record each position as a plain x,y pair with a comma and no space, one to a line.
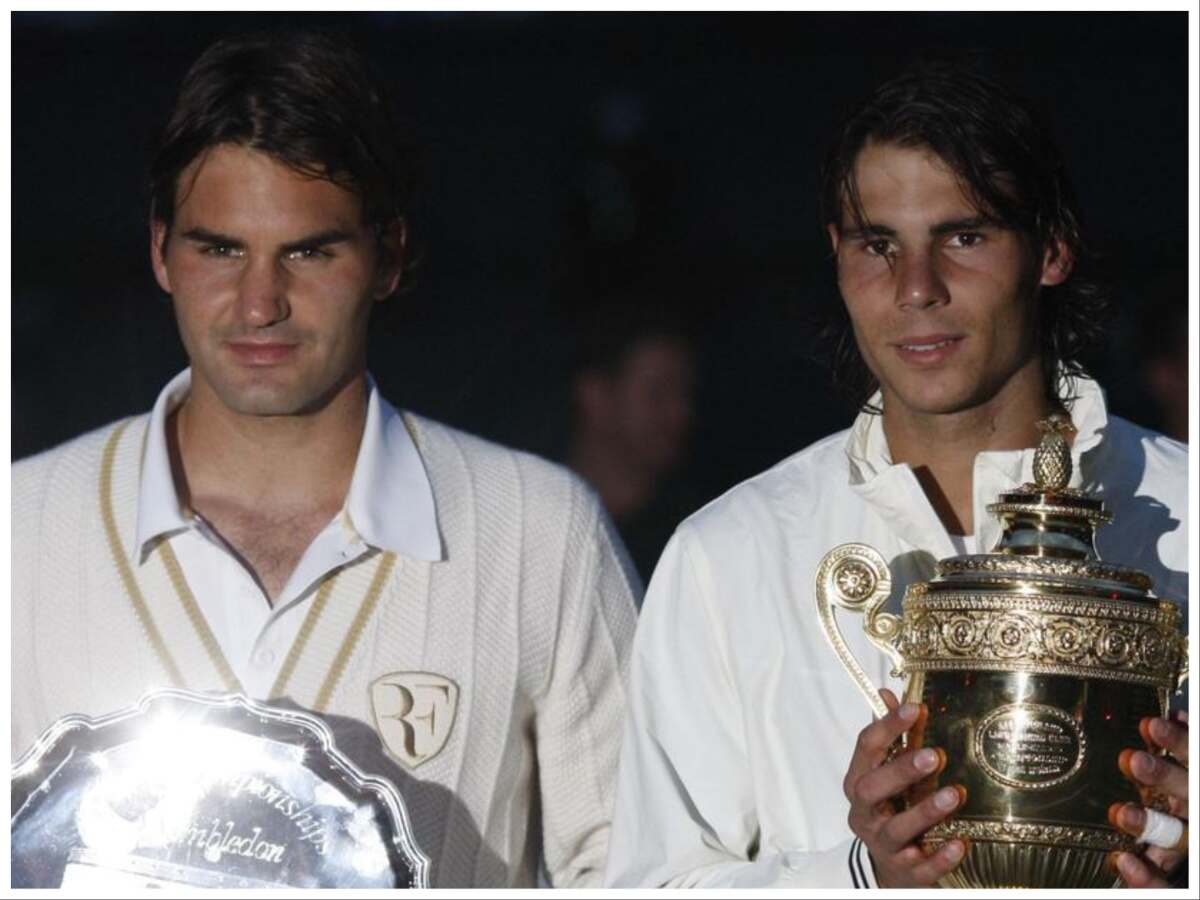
928,349
255,353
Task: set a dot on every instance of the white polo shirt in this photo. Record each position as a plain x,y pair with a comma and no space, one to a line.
389,506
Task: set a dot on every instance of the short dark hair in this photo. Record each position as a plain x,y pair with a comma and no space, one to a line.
1008,164
612,313
307,99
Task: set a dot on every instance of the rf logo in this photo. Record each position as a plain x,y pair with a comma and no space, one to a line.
414,712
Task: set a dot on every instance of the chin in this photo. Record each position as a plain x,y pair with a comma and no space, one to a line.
265,400
936,399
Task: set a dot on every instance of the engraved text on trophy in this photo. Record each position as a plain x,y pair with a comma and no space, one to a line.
1029,746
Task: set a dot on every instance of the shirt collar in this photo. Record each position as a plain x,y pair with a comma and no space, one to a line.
867,449
390,502
1089,413
866,444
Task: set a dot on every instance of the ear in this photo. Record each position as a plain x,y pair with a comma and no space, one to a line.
1057,264
393,255
158,258
835,236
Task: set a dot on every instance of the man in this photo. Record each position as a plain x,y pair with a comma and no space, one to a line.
633,396
275,526
746,763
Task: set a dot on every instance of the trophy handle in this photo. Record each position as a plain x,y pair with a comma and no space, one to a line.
855,577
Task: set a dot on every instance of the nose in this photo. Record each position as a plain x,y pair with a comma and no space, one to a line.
262,294
919,283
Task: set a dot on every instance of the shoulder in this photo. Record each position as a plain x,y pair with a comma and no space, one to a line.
1143,479
56,493
1164,455
78,459
511,511
1144,460
500,480
793,487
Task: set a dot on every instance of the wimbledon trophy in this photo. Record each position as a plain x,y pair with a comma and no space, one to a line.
1037,662
204,791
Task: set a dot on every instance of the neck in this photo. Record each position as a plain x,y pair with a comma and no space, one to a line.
941,448
624,486
266,462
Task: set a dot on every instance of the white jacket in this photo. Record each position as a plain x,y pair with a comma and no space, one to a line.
742,720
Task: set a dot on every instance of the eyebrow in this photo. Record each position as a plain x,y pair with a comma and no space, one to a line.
204,236
971,224
871,230
319,239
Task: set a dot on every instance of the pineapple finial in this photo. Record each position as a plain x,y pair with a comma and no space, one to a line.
1052,460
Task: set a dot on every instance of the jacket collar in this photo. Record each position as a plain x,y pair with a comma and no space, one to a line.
893,490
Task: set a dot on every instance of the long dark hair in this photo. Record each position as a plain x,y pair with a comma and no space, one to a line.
1008,165
307,99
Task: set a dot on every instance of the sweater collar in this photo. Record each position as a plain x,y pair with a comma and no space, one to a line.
389,504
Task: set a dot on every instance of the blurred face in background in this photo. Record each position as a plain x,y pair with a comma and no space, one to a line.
644,408
942,298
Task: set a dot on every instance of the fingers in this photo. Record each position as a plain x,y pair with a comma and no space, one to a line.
932,868
889,699
1138,873
876,738
1155,771
1163,832
1127,817
874,779
1162,776
1170,736
912,867
894,778
903,828
1165,860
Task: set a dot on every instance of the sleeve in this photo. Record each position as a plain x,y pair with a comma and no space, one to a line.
580,713
28,491
685,812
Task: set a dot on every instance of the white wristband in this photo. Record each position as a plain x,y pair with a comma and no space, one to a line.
1161,830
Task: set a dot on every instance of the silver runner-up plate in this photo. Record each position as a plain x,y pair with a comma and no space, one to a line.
207,791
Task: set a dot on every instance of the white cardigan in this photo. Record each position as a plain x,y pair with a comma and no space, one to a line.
530,614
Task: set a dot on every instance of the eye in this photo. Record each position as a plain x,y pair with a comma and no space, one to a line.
966,239
223,251
309,253
879,247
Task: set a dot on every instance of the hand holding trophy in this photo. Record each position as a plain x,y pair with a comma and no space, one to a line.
1163,781
876,775
1036,665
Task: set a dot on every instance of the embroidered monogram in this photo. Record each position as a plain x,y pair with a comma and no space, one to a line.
414,712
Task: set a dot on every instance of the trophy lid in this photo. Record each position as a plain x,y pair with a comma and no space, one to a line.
1048,537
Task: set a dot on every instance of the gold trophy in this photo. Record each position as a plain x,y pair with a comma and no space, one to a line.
1037,662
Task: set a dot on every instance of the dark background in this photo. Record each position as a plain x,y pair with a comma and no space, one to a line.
521,116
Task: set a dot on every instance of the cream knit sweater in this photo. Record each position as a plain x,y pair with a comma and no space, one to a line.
530,613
